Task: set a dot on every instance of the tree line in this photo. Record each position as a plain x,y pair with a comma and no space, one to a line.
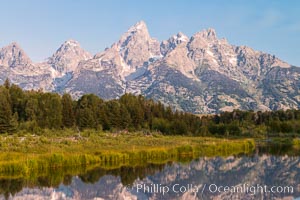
35,110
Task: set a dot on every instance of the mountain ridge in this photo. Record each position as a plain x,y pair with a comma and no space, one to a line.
200,74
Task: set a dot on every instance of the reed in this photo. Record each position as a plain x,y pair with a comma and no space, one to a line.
179,149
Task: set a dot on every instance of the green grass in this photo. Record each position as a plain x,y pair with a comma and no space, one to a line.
296,143
53,157
25,155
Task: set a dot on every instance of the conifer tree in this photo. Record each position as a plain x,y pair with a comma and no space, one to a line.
6,116
7,83
49,112
68,116
31,108
125,117
85,115
17,101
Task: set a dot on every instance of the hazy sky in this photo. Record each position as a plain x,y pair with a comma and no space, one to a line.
41,26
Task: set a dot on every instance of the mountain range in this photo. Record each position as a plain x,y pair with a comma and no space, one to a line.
200,74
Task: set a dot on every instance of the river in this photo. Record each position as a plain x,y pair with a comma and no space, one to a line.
268,173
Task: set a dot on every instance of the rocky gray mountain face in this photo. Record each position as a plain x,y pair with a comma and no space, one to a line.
201,74
50,75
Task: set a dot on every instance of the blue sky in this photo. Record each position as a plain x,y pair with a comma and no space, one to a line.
40,27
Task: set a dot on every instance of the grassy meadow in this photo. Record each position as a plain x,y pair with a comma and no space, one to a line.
25,155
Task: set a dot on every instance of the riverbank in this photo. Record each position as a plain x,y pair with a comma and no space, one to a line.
26,154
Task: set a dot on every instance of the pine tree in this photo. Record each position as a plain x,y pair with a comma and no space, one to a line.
50,111
85,113
31,108
125,117
6,117
68,116
114,114
17,101
7,83
102,117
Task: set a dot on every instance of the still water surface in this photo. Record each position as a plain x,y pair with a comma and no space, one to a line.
246,177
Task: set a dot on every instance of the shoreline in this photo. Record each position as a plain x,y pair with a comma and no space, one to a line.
26,155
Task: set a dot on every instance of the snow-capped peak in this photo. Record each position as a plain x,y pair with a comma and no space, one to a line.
137,32
13,55
71,42
202,74
141,25
170,44
136,45
209,34
67,57
182,37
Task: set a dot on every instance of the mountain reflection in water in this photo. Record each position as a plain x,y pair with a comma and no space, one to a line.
270,166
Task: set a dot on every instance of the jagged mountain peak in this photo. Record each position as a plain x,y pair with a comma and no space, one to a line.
209,34
139,26
167,46
201,74
71,42
203,39
67,57
139,31
14,45
136,45
181,37
13,55
69,45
